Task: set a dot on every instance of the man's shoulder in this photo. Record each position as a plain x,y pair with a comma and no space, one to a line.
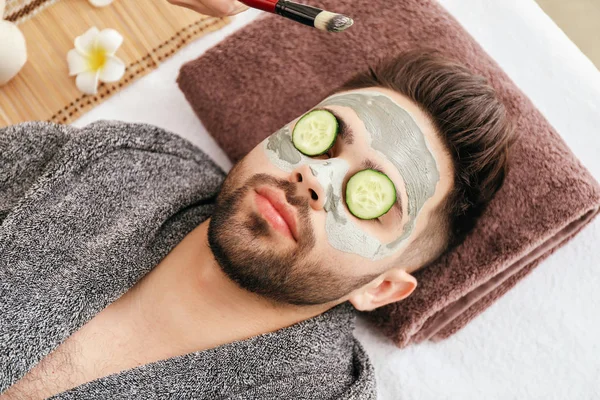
316,358
105,136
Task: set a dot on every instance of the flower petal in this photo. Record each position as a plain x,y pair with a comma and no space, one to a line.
109,40
87,82
100,3
86,42
113,70
77,63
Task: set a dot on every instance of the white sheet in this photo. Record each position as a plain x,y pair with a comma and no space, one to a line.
541,339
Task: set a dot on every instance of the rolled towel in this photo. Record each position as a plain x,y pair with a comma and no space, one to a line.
548,195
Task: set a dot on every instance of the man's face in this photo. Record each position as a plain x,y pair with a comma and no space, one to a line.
282,227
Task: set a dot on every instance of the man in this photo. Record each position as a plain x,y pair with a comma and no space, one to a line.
121,277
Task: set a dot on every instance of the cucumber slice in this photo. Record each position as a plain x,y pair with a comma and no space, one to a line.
315,133
370,194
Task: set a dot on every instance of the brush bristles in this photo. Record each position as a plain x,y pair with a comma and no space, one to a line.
332,22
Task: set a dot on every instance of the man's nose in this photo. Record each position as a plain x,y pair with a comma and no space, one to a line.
308,186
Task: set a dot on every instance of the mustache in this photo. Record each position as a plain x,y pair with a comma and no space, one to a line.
290,190
231,195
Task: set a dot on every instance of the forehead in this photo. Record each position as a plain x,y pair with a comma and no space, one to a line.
402,104
420,117
393,124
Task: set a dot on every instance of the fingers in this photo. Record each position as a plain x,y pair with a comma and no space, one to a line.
241,8
216,8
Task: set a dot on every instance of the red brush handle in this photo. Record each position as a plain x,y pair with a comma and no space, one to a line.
265,5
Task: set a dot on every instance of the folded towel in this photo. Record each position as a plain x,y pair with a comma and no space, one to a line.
276,70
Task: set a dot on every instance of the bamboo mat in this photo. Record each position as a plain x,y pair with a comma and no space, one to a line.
43,90
18,11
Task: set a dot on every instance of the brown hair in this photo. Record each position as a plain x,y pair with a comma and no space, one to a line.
471,121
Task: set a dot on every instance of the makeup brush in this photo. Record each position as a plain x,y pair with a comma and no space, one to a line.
307,15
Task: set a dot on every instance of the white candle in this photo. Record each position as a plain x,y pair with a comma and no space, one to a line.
13,52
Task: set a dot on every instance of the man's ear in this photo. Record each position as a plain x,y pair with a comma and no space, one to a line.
391,286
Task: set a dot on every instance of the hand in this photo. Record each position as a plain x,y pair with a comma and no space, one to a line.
216,8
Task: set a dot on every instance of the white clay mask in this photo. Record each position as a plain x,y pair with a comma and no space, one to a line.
392,132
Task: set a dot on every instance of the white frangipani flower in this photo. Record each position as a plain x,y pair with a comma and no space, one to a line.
100,3
93,59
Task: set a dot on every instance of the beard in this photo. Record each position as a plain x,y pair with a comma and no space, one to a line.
240,241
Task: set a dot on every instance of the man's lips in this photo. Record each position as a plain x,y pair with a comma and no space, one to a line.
274,207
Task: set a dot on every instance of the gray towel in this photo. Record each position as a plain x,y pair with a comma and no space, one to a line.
84,215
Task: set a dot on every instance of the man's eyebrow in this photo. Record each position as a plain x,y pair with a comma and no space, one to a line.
344,130
368,163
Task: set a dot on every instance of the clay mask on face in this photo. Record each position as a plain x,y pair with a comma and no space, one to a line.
393,133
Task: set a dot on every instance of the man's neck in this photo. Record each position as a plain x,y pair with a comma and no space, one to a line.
188,302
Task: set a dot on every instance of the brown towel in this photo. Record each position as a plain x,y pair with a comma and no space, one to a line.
273,70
